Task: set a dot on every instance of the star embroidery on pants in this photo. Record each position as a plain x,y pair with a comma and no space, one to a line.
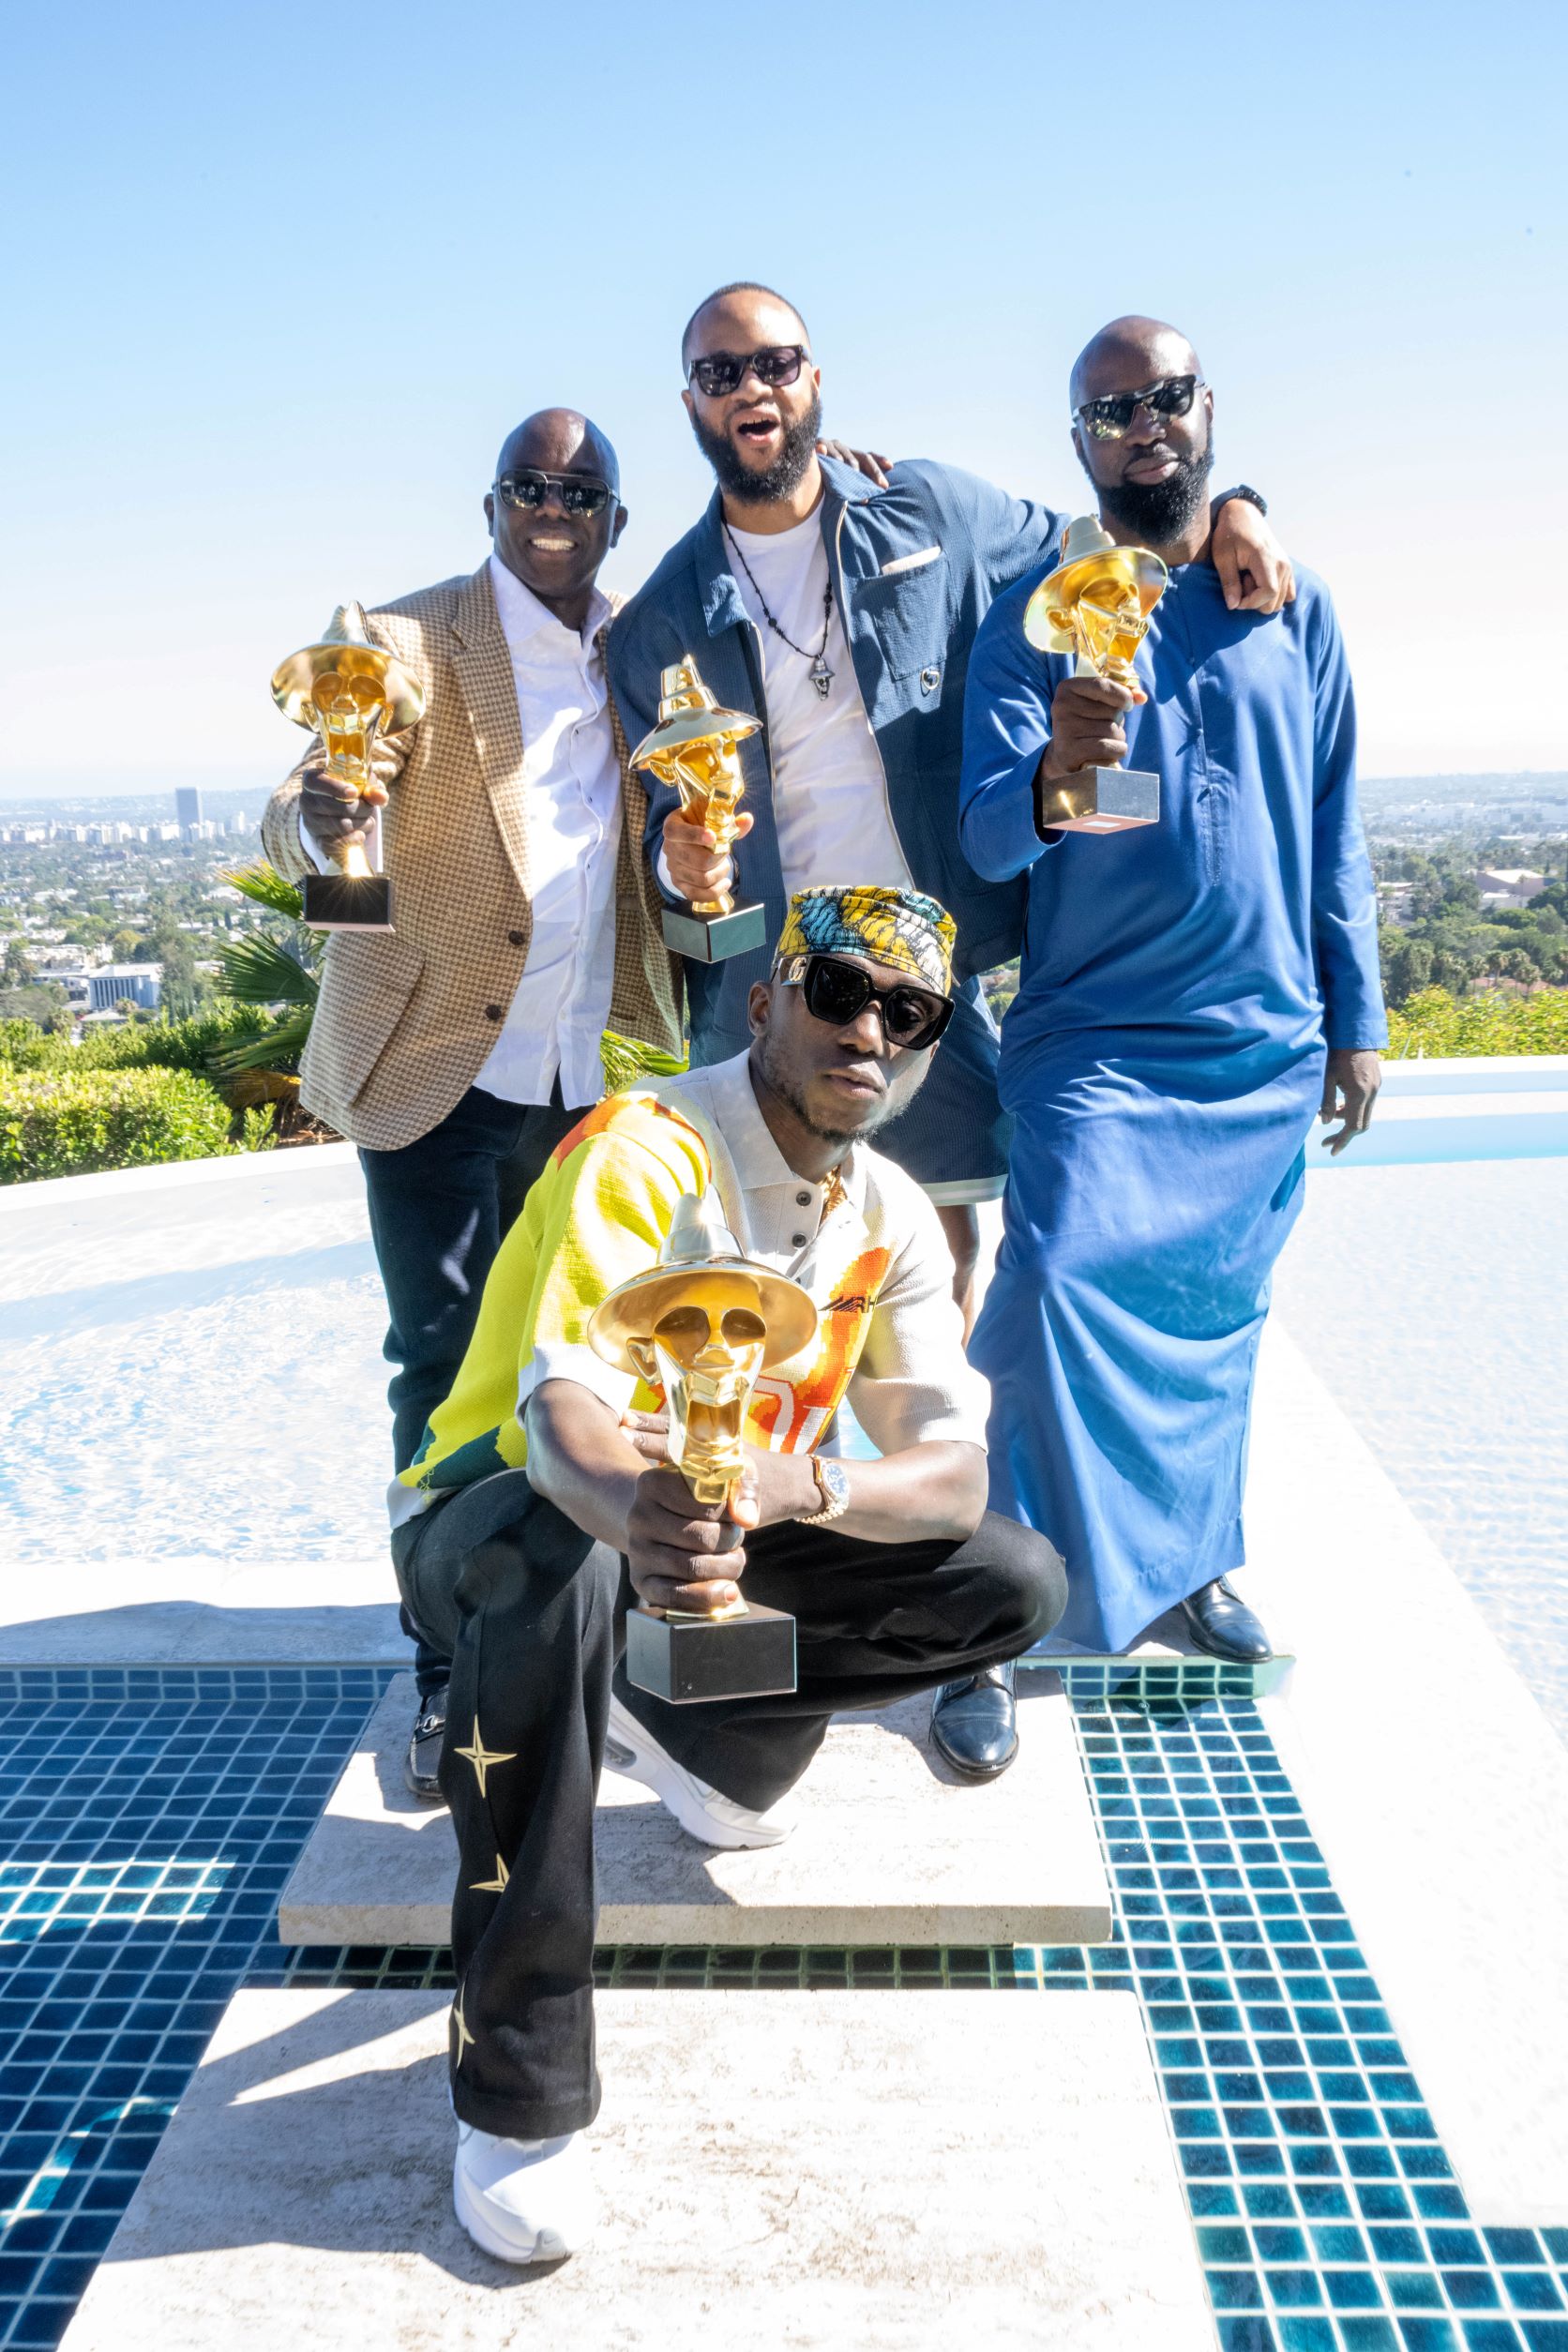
465,2040
482,1758
493,1885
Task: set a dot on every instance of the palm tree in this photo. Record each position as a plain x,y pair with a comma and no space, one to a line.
279,973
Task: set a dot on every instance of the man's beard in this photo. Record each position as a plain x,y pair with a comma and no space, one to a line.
785,475
778,1081
1160,512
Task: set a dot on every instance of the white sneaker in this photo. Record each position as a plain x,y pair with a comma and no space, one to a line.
701,1811
522,2200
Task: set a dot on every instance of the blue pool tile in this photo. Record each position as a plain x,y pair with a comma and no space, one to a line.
1529,2290
1515,2245
1545,2335
1396,2245
1280,2245
1307,2336
1295,2290
1340,2244
1450,2246
1234,2290
1428,2335
1439,2204
1471,2290
1354,2290
1413,2290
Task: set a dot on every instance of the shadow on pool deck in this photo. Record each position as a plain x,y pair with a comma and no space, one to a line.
168,1632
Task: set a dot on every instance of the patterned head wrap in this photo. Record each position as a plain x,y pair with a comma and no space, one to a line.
901,929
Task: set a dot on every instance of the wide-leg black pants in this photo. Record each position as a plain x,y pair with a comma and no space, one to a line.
532,1612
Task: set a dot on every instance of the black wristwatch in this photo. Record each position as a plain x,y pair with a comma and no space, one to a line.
1243,490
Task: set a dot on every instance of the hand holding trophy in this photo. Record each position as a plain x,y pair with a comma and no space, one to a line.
701,1325
350,691
1096,604
693,747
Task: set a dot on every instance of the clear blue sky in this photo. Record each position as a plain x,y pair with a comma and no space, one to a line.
281,277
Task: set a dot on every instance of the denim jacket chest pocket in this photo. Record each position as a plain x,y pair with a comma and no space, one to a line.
906,613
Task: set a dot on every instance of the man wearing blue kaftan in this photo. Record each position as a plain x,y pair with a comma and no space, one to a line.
1163,1060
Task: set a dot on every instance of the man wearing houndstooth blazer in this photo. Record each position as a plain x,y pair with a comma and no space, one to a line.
457,1049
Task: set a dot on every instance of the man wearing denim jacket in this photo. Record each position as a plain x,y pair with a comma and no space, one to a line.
840,607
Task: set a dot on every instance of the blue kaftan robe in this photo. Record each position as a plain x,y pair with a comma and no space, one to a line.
1163,1060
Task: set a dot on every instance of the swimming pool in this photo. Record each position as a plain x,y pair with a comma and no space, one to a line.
190,1356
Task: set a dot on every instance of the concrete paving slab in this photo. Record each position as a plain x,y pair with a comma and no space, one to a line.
789,2169
890,1848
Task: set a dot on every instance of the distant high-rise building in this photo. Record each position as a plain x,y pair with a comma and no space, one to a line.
187,807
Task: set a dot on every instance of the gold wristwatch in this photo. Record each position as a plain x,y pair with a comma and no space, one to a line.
833,1487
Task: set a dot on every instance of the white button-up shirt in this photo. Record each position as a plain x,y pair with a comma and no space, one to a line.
573,781
573,778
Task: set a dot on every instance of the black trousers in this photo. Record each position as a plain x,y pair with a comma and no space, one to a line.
534,1613
439,1210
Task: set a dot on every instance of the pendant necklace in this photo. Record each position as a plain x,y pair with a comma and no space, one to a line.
821,676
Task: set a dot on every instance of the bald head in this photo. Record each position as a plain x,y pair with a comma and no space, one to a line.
556,544
1127,354
560,440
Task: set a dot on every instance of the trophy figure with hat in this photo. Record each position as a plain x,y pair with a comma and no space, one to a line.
1096,604
349,691
703,1324
693,747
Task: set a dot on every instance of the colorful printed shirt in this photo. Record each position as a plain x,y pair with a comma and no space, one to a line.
872,1255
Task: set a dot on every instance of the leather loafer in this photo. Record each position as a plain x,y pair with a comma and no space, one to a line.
422,1764
1224,1626
974,1724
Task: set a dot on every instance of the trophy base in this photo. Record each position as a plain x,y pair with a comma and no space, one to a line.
347,902
685,1658
712,938
1099,800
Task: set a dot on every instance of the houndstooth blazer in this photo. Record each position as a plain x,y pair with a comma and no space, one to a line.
407,1018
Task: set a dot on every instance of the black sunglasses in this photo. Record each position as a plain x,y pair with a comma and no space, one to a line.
1108,420
727,371
838,993
579,494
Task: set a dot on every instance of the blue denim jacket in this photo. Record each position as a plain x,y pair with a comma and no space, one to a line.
915,568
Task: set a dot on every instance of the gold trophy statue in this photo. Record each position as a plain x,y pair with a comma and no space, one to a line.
1096,604
693,747
349,691
701,1325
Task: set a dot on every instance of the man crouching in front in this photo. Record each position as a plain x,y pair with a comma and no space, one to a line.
896,1575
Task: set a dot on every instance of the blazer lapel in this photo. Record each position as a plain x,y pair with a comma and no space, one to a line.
484,672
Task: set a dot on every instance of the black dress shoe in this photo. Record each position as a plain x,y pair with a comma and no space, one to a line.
974,1724
422,1763
1224,1626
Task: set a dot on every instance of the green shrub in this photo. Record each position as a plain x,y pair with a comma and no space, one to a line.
23,1045
1435,1022
186,1044
69,1123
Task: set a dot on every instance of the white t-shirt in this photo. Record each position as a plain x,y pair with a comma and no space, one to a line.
829,791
